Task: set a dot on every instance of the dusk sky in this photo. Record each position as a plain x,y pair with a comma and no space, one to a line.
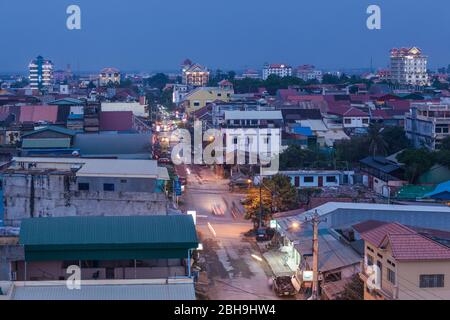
157,35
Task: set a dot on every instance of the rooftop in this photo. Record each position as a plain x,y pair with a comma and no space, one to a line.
118,168
179,289
253,115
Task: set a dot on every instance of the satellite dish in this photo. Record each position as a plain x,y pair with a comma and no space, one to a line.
75,153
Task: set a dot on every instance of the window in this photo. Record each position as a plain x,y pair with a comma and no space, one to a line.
123,181
196,104
369,260
331,179
83,187
431,280
391,276
108,187
219,94
297,181
347,121
365,121
308,179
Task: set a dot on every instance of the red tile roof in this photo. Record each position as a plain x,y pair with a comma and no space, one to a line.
116,120
38,113
406,243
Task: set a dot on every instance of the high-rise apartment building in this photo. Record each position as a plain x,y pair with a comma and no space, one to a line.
280,70
408,67
41,73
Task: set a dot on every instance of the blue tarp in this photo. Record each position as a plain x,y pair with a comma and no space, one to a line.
442,191
306,131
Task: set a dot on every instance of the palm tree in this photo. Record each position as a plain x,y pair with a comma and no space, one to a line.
377,145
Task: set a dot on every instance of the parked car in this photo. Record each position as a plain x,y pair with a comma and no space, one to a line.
264,234
164,160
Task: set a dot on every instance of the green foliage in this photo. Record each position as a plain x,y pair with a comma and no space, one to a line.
417,162
278,195
159,81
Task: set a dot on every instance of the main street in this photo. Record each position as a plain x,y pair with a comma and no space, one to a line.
232,271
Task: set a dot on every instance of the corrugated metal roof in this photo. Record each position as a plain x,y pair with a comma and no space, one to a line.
52,128
130,230
45,143
253,115
171,291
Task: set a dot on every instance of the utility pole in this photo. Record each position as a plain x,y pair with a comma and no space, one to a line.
315,220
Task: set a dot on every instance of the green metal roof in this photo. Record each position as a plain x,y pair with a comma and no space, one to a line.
45,143
67,102
413,192
54,129
108,238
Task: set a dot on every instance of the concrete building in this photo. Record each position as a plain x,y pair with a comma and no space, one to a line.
319,178
201,96
408,67
194,74
410,265
41,73
109,76
427,124
280,70
179,92
308,72
59,187
127,247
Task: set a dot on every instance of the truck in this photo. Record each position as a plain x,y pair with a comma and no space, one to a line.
284,285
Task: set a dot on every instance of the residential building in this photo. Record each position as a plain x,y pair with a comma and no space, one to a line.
109,76
408,67
251,74
319,178
41,73
427,124
201,96
179,92
308,73
59,187
409,265
280,70
337,260
138,109
341,215
350,117
48,141
194,74
111,248
382,175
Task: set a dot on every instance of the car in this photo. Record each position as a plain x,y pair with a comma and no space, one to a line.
264,234
164,160
284,286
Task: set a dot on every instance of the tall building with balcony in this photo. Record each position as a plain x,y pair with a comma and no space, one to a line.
109,76
41,73
280,70
308,72
408,67
194,74
427,124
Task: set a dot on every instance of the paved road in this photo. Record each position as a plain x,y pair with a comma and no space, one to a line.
233,272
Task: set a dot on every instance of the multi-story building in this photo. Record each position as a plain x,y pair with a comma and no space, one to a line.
201,96
405,264
109,75
60,187
179,92
427,124
194,74
408,67
308,72
41,73
280,70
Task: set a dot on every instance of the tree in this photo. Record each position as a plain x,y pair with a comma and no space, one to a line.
278,195
417,162
445,144
354,290
395,139
158,81
375,139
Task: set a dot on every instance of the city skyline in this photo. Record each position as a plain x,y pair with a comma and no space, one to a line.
325,34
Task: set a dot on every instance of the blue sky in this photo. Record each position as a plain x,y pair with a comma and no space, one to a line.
154,35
